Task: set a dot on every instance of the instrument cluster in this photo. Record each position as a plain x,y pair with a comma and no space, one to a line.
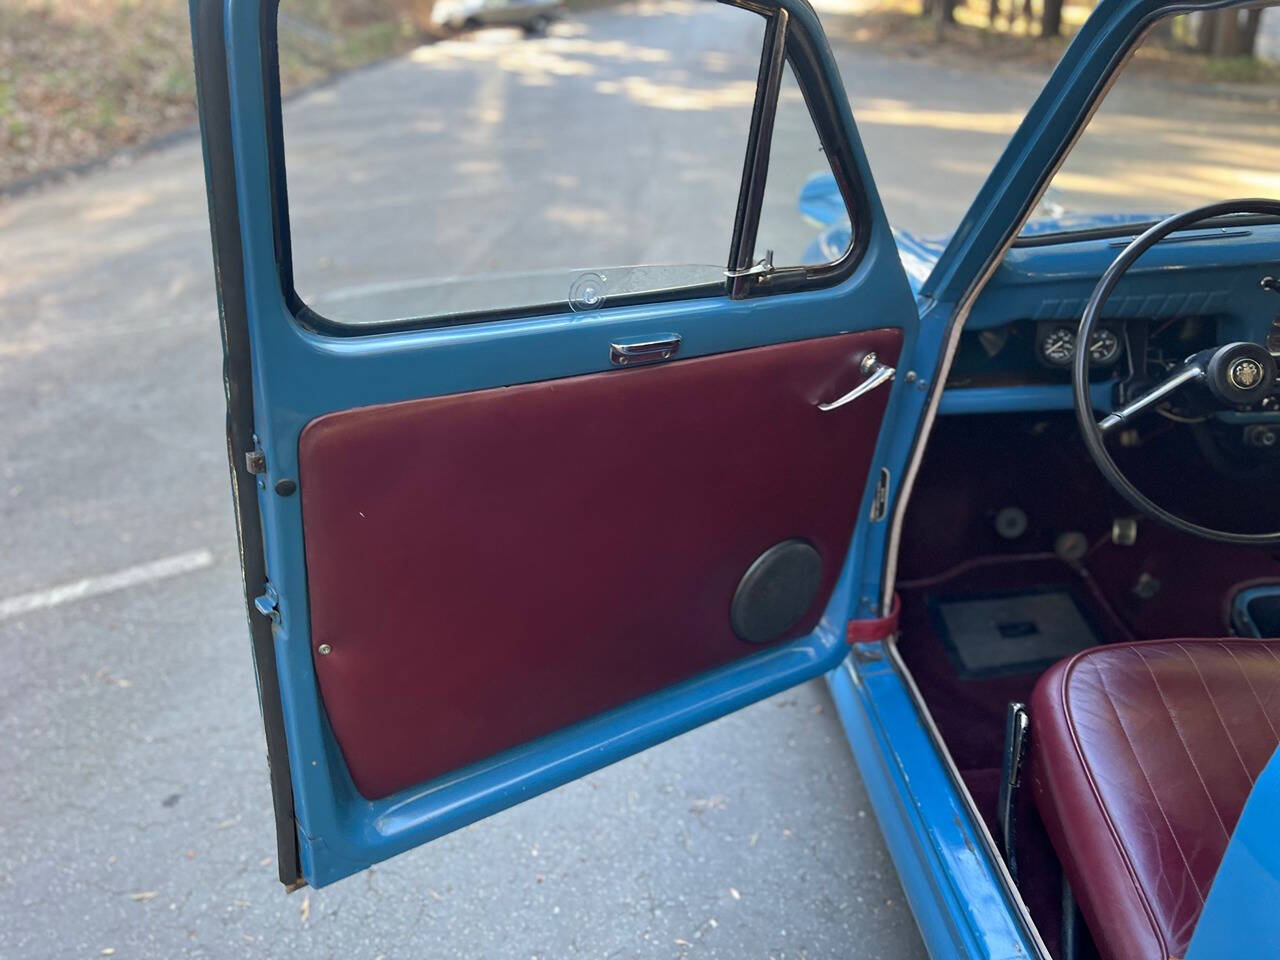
1029,352
1056,345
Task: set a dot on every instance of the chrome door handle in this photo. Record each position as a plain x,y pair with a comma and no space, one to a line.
627,353
876,374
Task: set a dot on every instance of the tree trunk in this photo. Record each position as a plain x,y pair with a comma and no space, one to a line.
1206,30
945,13
1229,33
1226,38
1051,18
419,12
1249,32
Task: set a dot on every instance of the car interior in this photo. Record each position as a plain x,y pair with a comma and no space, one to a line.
1107,685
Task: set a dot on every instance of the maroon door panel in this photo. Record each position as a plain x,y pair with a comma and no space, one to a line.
489,567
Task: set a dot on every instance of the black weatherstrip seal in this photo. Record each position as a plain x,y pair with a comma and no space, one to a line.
755,166
214,100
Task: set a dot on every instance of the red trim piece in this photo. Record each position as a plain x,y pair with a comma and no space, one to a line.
881,628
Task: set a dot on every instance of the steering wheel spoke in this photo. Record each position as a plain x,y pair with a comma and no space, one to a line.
1190,372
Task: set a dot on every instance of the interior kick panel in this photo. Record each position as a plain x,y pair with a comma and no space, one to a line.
488,567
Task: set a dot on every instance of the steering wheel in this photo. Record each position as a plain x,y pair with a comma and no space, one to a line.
1235,374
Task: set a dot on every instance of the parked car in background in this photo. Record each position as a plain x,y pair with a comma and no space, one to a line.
531,16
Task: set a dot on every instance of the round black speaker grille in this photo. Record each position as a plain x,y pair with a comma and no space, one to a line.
776,591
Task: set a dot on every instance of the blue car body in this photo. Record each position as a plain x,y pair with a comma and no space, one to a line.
955,880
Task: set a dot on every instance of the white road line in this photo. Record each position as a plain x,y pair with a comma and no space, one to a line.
107,583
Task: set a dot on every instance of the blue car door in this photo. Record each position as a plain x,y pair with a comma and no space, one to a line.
487,551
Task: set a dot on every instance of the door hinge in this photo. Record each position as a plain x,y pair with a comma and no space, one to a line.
255,461
269,603
880,501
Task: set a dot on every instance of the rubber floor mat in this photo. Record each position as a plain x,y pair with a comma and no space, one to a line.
1012,633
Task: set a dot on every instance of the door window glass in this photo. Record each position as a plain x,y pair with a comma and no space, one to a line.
803,219
538,160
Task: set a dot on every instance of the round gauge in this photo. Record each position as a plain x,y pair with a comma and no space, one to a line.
1104,347
1058,346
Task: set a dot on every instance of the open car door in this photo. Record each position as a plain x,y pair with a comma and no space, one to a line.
486,553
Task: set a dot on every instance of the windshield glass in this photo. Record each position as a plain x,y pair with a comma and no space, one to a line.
1191,120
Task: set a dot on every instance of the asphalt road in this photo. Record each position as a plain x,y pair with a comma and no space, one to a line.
134,810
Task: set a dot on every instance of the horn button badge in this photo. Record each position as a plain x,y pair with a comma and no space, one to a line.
1245,374
1240,374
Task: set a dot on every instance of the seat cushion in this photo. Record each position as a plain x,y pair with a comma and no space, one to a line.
1142,756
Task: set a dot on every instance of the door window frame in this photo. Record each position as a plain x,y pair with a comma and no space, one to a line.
785,43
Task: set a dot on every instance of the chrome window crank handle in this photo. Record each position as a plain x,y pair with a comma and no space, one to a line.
876,374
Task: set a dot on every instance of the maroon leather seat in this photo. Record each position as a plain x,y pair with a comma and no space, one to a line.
1142,755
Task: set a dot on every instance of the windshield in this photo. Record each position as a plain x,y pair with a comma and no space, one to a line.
1191,120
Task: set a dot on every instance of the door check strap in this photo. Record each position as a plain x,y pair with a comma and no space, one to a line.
880,628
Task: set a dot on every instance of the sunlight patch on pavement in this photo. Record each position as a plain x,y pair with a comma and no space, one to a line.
898,113
1174,184
117,205
535,61
667,96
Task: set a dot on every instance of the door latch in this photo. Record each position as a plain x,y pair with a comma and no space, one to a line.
255,460
269,603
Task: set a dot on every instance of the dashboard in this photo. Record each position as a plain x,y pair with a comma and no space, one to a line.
1192,291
